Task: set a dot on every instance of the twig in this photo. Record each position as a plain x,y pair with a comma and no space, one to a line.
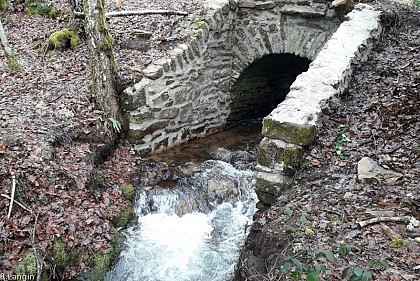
136,12
38,262
12,198
145,12
19,204
55,98
374,141
404,219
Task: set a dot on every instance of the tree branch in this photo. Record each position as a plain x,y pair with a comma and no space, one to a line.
19,204
136,12
404,219
12,197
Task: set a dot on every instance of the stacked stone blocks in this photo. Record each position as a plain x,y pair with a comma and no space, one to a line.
292,126
188,94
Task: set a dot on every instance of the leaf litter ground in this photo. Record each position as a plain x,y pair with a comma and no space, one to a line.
52,140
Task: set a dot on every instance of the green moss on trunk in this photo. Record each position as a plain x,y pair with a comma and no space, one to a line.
13,64
3,5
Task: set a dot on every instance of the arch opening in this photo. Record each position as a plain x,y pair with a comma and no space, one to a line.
263,85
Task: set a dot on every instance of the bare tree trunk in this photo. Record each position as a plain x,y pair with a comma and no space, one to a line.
12,62
102,62
77,24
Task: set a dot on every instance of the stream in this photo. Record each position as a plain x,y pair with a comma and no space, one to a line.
194,205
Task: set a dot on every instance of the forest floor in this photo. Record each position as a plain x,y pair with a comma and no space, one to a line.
317,222
52,141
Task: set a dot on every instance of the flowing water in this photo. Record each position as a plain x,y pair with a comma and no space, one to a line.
194,204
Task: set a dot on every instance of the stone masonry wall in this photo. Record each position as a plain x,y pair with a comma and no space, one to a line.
292,125
187,95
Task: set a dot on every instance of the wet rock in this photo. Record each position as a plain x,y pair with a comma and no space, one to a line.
368,169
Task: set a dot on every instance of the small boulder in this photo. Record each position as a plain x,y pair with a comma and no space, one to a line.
368,169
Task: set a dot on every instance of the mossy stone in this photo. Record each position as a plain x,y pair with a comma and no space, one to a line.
268,187
265,197
63,39
263,158
292,157
301,134
342,10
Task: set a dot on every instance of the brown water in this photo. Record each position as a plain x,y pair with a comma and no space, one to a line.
243,137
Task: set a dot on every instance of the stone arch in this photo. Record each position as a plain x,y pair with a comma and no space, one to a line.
187,94
263,85
261,33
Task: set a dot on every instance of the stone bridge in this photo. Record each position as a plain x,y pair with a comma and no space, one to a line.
241,63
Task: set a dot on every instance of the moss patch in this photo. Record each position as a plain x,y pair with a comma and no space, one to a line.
3,5
97,262
128,191
28,267
62,257
101,264
63,39
292,157
44,10
293,133
123,218
13,64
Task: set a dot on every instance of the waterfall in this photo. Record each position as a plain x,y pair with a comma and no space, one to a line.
192,220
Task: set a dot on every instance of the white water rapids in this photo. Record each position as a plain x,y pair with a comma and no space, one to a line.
190,232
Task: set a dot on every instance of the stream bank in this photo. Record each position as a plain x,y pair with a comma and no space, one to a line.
378,118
